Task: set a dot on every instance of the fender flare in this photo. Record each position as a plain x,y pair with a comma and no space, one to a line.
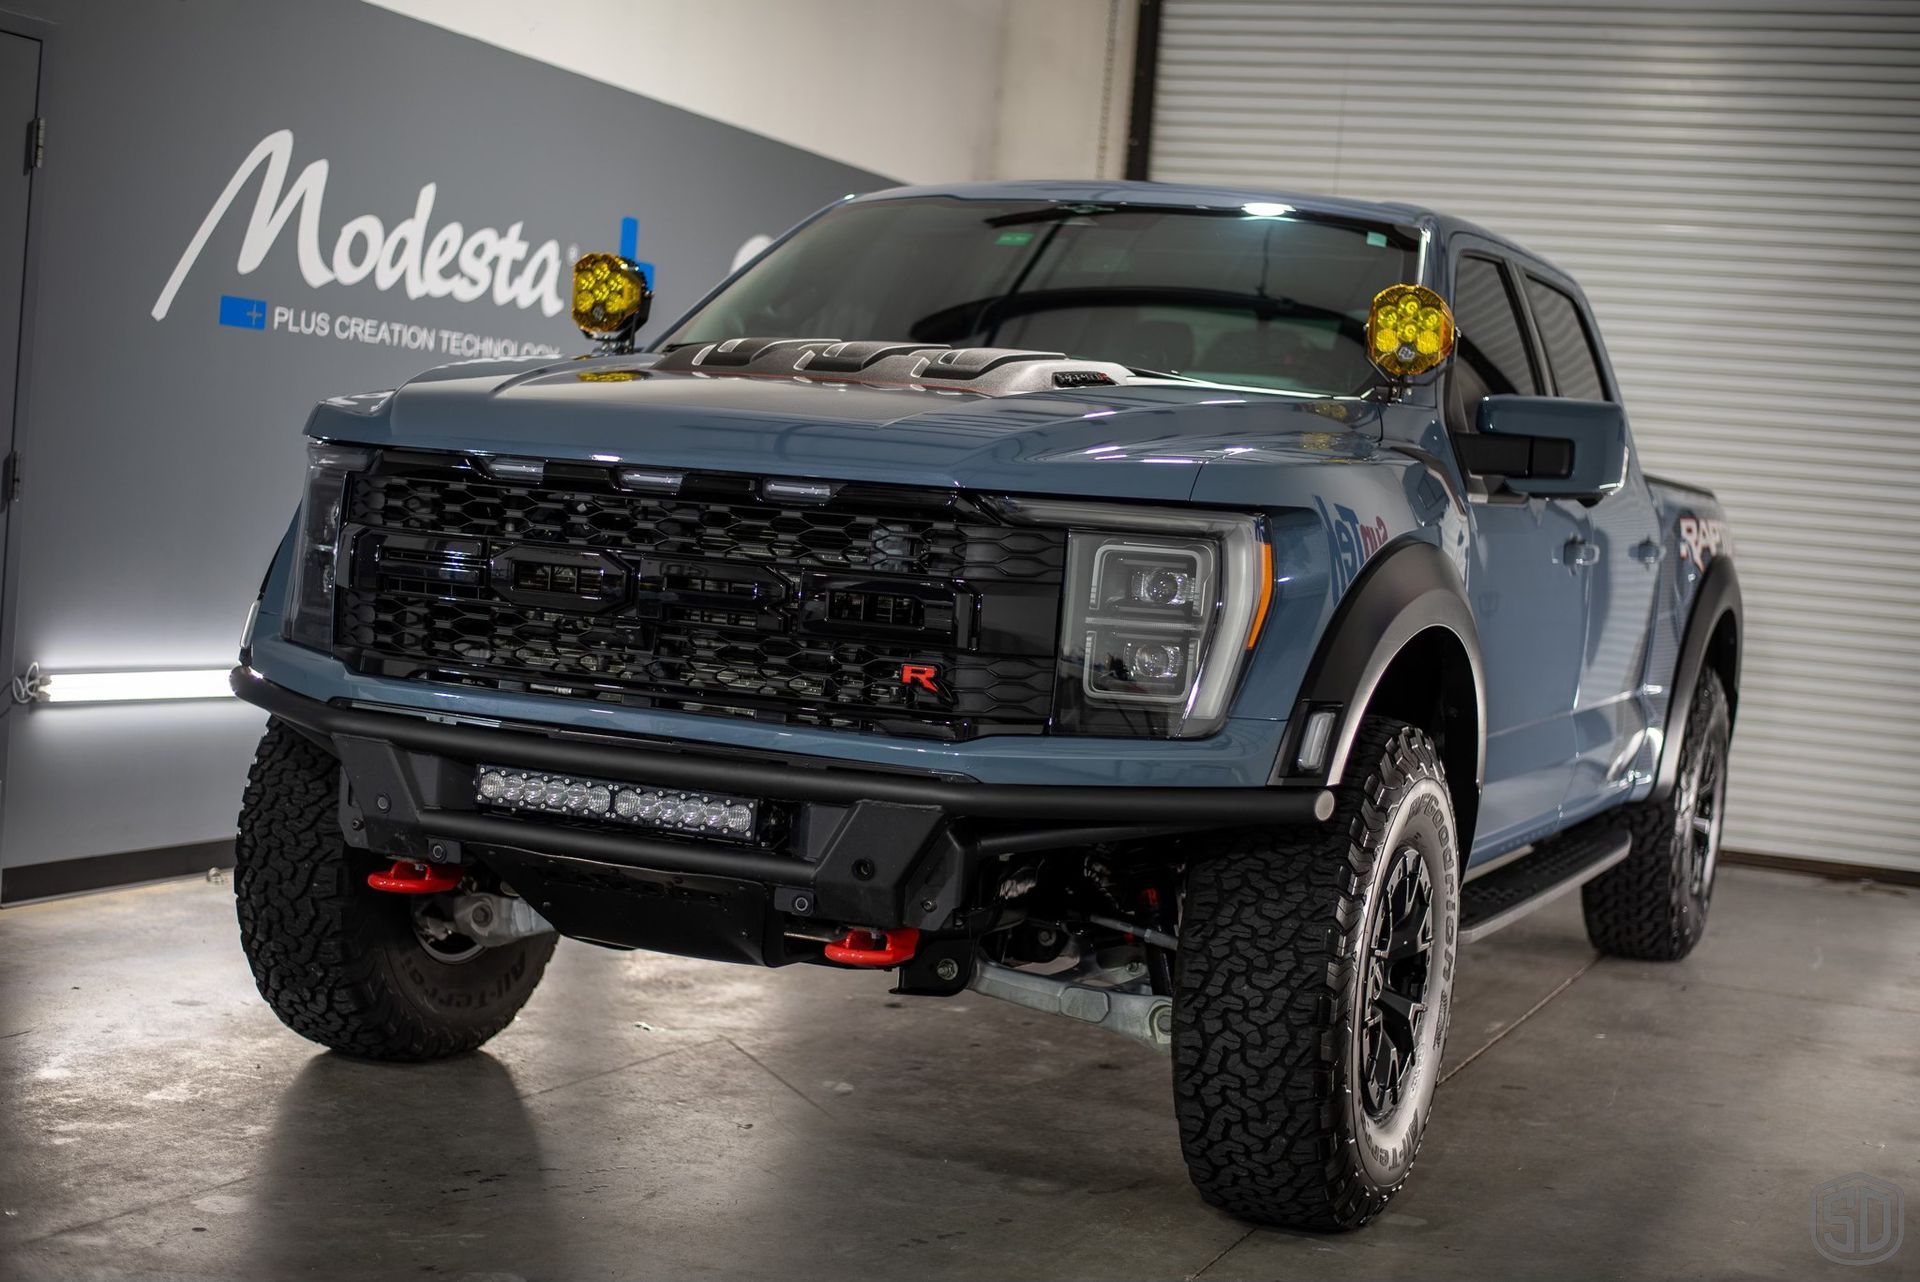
1717,597
1408,589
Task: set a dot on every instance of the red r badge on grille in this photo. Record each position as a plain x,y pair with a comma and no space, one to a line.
920,674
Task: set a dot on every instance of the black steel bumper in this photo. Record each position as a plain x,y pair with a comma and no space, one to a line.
866,847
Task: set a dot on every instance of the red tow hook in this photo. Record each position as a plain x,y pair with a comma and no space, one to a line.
861,947
409,878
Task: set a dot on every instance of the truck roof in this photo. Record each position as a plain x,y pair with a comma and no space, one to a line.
1203,196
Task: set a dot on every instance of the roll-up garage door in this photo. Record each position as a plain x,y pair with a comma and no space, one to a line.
1737,186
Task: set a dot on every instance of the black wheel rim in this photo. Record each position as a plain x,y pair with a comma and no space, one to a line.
1700,824
1399,961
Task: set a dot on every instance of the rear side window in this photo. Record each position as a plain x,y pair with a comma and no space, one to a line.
1490,338
1576,371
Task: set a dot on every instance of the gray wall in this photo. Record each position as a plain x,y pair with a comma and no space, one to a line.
162,446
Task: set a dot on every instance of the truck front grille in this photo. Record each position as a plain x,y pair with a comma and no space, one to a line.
713,600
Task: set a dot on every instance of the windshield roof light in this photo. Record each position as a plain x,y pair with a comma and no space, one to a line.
1265,209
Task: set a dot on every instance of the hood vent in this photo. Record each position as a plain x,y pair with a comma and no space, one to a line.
986,371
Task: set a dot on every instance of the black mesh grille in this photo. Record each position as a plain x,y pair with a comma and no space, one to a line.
713,600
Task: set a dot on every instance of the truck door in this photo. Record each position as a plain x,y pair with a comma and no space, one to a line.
1526,588
1610,712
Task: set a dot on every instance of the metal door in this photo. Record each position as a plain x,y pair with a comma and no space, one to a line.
19,127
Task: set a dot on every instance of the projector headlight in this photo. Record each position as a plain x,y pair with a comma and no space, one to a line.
1160,609
316,548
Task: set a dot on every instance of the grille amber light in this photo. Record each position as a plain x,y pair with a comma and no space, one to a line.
610,295
1409,330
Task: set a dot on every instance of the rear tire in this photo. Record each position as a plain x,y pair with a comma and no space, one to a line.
341,963
1302,1095
1652,906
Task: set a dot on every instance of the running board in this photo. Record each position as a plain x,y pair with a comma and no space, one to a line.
1556,866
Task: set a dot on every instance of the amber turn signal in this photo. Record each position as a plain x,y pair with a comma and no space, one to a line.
1409,330
610,297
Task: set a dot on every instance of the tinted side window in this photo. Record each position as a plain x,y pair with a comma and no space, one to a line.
1569,347
1491,359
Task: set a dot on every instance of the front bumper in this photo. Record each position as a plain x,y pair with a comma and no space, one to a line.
866,846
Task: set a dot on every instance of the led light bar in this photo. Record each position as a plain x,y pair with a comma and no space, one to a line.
708,814
132,687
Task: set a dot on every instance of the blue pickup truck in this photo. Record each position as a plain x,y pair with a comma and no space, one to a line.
1193,612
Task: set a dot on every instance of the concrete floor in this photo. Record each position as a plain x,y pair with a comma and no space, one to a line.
648,1117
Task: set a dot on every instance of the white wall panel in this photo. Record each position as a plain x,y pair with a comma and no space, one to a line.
922,90
1737,186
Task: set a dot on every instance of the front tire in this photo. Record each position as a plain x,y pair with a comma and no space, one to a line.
343,964
1311,1004
1653,904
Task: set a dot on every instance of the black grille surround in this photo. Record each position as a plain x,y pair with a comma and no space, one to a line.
713,600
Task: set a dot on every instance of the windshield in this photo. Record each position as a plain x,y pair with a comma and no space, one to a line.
1269,301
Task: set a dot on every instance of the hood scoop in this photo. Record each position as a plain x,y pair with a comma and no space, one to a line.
985,371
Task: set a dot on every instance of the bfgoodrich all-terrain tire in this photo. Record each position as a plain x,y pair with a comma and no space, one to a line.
1311,1004
1652,905
339,962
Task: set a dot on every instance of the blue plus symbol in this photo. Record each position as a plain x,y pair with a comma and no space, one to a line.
243,313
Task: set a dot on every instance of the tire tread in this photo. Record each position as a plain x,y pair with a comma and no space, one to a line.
1270,933
316,941
1632,910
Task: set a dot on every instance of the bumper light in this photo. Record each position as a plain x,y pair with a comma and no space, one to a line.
706,814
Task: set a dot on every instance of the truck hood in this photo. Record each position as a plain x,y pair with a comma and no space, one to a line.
1139,438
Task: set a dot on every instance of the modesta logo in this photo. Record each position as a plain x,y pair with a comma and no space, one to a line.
448,262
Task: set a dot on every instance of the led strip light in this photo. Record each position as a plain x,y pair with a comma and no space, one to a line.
128,687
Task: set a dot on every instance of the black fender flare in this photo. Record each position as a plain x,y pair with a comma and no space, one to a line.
1717,597
1407,589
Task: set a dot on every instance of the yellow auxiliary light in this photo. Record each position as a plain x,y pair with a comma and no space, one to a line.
1409,330
610,299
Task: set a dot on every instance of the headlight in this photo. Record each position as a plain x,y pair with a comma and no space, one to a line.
315,552
1159,611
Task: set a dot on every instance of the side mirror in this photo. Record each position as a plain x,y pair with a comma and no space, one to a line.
1549,446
